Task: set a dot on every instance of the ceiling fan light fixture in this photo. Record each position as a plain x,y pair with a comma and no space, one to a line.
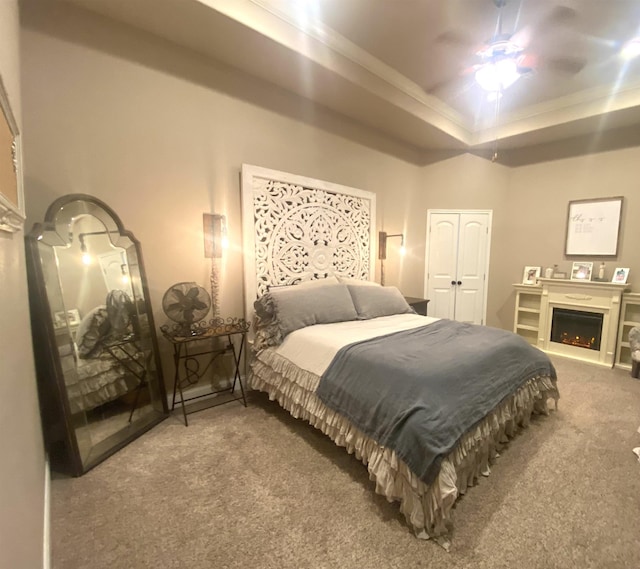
631,49
498,75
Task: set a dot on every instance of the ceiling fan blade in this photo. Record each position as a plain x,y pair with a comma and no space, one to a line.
567,64
453,38
559,16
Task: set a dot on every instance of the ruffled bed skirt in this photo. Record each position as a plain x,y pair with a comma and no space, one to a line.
427,508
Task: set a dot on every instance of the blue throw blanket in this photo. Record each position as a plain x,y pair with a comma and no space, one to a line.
419,391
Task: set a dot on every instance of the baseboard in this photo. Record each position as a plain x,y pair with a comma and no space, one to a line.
46,541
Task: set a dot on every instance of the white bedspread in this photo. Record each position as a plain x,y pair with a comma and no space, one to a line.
313,348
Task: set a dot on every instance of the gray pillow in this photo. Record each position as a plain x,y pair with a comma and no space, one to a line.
267,328
298,307
93,329
375,301
354,281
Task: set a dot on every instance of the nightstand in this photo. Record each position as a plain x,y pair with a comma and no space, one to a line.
418,304
188,349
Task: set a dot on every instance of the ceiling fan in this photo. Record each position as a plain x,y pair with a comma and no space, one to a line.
506,57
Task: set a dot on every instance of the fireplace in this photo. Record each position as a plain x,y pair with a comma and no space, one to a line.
579,319
577,328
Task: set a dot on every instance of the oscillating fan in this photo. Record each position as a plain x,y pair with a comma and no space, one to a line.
186,303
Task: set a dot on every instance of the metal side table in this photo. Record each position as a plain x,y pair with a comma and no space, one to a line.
190,352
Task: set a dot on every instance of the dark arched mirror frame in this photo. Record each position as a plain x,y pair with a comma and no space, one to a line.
98,369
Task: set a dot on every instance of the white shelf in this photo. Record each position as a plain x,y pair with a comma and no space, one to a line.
630,308
526,327
528,298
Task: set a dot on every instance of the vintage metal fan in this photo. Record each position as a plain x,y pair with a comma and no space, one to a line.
187,304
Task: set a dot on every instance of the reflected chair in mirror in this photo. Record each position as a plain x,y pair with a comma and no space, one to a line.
99,377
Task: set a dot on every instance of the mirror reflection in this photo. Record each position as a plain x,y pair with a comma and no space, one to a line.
104,349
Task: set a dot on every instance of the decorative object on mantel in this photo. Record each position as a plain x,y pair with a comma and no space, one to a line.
11,191
581,271
593,226
531,275
548,272
600,278
620,275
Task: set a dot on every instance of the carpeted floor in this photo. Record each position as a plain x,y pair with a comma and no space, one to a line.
256,488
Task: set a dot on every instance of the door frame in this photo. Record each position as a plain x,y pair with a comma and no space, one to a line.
489,213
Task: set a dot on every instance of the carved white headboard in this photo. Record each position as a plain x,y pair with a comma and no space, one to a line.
297,228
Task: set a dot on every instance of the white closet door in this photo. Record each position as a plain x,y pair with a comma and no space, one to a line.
471,269
443,254
457,263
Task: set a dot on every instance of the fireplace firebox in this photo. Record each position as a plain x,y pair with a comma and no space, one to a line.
577,328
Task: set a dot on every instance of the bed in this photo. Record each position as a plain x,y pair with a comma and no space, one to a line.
426,404
104,362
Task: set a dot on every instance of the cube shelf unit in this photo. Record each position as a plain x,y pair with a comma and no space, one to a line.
629,317
526,322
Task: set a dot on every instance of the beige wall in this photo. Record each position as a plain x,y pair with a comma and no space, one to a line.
160,135
22,467
537,203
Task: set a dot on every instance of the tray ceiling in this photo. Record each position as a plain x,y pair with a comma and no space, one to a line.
405,67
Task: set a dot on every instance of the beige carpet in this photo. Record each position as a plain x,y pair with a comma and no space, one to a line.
256,488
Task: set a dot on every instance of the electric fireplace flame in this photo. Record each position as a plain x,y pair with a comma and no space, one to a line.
577,328
580,341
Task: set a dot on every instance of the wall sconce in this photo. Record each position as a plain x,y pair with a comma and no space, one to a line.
86,258
215,235
125,275
382,249
214,228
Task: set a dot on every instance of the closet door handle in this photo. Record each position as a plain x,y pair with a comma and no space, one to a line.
453,282
459,282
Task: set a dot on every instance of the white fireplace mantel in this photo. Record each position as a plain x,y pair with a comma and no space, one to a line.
589,296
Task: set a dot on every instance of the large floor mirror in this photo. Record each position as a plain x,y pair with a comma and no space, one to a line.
99,377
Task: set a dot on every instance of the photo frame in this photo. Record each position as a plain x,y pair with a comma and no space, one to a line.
593,227
620,275
531,275
581,271
12,214
73,316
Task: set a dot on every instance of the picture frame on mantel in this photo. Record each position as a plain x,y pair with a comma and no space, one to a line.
620,275
531,275
581,271
593,227
12,214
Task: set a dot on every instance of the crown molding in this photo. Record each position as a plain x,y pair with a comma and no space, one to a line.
576,106
353,63
325,47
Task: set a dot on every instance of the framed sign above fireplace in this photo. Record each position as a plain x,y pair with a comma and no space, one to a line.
593,227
